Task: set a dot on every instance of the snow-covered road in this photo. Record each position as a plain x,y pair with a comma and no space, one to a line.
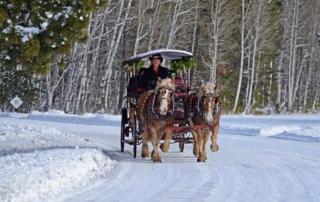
244,169
248,166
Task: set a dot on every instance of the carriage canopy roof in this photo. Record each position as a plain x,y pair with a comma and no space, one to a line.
170,54
179,59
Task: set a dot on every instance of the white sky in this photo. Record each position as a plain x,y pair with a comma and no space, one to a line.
57,157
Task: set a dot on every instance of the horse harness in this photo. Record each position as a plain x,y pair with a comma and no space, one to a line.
198,105
154,103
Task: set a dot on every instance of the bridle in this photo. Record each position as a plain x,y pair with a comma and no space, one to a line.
154,108
209,96
159,95
200,107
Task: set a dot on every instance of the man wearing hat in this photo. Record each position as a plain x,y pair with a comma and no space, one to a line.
151,74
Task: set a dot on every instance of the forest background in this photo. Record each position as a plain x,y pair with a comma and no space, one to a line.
67,55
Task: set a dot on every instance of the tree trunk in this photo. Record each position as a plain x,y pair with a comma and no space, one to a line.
292,58
243,22
117,34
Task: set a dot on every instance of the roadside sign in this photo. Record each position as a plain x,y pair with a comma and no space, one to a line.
16,102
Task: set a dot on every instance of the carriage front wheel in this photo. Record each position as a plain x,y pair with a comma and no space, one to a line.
181,146
124,121
135,138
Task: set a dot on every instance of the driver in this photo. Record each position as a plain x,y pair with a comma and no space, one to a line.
151,74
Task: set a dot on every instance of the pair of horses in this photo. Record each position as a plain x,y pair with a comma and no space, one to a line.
156,112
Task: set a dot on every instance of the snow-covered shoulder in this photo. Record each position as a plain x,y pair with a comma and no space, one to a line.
40,163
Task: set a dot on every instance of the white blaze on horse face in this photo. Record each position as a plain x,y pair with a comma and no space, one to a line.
208,108
164,101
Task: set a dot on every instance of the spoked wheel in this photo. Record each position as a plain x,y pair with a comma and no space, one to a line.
181,145
124,121
135,147
134,134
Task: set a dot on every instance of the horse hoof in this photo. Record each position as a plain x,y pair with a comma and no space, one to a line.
157,161
144,155
199,160
214,148
163,148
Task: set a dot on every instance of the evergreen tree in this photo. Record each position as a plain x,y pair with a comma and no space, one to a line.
32,33
33,30
18,83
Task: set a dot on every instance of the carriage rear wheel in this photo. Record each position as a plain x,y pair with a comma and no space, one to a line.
124,121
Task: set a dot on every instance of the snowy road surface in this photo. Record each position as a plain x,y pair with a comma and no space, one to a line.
260,159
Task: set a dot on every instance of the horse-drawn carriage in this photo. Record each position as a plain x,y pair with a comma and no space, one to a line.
170,113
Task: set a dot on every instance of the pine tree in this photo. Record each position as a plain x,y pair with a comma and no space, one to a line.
34,30
32,33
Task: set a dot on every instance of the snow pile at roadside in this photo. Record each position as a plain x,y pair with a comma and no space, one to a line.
42,175
39,164
291,127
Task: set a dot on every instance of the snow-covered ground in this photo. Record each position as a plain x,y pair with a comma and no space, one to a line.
57,157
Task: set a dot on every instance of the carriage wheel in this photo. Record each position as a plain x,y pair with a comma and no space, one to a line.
181,146
124,120
135,147
135,141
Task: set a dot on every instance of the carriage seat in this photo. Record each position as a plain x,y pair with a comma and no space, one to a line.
135,86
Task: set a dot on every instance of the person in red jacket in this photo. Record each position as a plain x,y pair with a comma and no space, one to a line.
151,74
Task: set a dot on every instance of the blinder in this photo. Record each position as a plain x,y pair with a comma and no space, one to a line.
156,104
216,108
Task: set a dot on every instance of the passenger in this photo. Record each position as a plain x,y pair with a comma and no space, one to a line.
151,74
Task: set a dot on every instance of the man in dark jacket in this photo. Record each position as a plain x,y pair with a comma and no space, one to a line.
151,74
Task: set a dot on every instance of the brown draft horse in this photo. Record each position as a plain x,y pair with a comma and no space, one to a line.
156,111
204,108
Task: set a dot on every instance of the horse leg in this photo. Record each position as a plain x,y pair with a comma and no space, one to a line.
155,142
195,143
214,146
145,148
168,137
205,140
201,157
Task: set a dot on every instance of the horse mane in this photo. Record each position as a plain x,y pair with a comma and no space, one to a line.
208,88
165,83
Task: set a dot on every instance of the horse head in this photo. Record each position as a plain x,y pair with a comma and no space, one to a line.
208,99
164,93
